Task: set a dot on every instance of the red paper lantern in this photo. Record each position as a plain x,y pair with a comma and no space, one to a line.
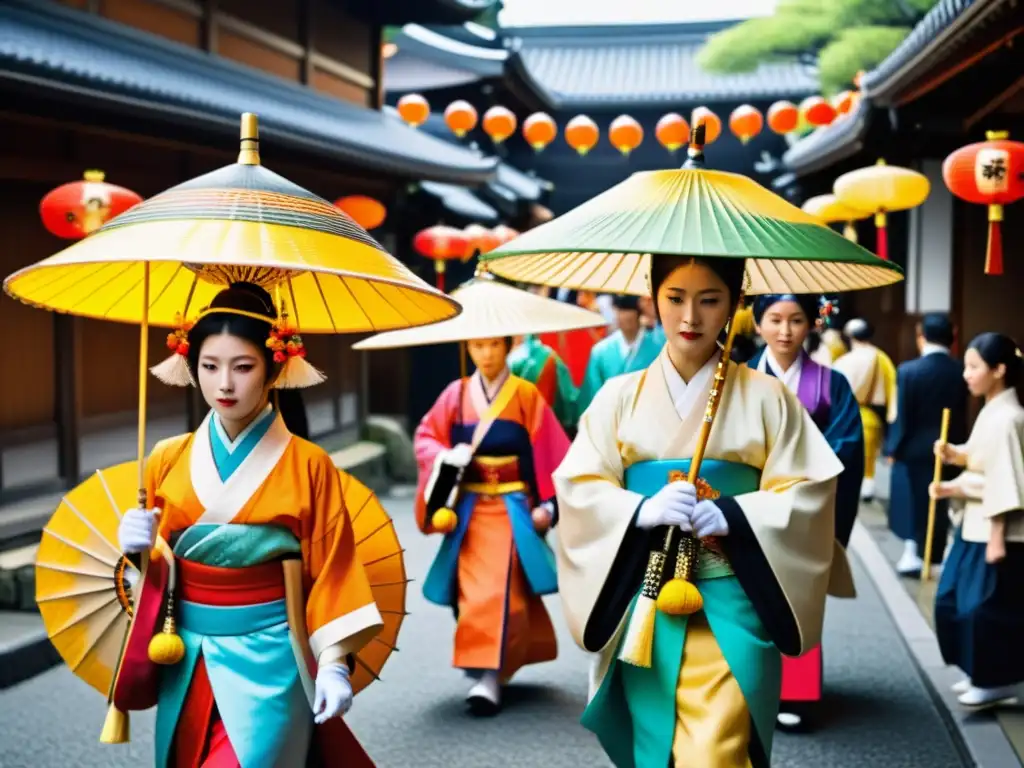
441,244
582,133
989,173
504,234
364,211
625,134
745,122
816,111
844,102
461,117
783,117
539,130
672,131
499,123
712,123
414,109
479,239
79,208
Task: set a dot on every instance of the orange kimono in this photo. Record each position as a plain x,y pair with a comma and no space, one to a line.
494,567
232,513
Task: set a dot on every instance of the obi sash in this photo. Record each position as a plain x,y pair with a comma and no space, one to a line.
493,476
724,478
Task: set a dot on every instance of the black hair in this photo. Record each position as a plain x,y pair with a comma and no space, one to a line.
245,297
813,341
807,302
626,303
730,271
937,328
998,349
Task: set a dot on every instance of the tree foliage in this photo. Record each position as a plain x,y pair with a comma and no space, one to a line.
840,37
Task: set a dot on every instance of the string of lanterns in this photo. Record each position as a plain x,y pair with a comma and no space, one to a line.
625,133
442,244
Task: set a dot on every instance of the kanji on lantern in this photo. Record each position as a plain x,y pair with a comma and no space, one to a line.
79,208
672,131
414,109
539,130
745,122
783,117
460,117
625,134
989,173
364,211
499,123
581,133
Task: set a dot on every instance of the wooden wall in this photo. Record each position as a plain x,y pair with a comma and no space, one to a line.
314,42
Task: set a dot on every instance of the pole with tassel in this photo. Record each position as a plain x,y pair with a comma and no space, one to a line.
926,568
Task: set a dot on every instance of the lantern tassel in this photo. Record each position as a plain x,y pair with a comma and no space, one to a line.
439,266
994,252
881,238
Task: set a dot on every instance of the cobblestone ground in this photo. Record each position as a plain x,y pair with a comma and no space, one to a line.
877,711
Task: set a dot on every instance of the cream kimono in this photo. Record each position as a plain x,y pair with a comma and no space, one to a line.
765,593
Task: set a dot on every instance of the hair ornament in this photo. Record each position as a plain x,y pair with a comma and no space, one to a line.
290,352
827,308
174,370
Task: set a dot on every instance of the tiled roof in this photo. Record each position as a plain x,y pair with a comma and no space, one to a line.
831,143
52,47
440,57
643,66
462,202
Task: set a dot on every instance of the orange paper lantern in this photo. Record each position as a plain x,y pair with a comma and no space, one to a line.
745,122
364,211
783,117
581,133
625,134
414,109
816,111
504,233
844,102
989,173
441,244
461,117
479,239
539,130
79,208
711,121
499,123
672,131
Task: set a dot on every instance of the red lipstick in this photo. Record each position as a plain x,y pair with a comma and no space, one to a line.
226,402
690,335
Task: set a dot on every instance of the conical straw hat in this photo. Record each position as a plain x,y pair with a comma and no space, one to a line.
606,244
242,222
490,310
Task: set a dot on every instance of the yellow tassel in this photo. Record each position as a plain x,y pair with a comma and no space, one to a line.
167,647
174,371
680,597
296,373
116,728
444,520
639,641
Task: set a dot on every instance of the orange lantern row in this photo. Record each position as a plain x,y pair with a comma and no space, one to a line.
988,173
443,244
77,209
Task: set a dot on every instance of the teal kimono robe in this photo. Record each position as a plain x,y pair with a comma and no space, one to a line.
613,356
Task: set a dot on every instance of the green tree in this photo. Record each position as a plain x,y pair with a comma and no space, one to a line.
838,37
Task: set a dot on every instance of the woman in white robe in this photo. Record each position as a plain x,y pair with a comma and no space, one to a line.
711,695
979,606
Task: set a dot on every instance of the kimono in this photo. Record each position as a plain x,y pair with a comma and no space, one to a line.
829,400
614,356
979,608
538,364
574,348
494,567
712,693
872,377
235,515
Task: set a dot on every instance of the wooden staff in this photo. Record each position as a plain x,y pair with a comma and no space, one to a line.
926,569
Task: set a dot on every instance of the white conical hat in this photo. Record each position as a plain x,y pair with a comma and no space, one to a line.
491,310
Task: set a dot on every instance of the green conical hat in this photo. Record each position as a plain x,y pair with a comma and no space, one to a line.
606,244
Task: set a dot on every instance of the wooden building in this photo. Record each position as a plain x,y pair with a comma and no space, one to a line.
959,74
150,92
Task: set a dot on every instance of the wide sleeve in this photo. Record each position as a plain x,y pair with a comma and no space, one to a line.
431,439
601,554
341,615
845,435
548,441
1004,479
781,537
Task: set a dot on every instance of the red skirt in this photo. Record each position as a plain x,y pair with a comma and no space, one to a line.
802,676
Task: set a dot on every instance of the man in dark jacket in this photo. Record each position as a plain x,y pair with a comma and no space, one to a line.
924,387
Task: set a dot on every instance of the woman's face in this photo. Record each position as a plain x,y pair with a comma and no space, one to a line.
488,355
694,306
784,327
232,377
981,379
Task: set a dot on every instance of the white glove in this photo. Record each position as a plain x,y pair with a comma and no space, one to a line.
459,456
672,505
333,697
137,532
707,520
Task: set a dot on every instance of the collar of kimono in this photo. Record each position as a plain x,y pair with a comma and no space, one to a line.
789,377
686,394
221,499
229,444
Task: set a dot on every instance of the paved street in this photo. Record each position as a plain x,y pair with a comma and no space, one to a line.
877,713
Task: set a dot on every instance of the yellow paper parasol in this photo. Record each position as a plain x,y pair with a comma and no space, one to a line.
491,309
172,254
831,210
84,584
